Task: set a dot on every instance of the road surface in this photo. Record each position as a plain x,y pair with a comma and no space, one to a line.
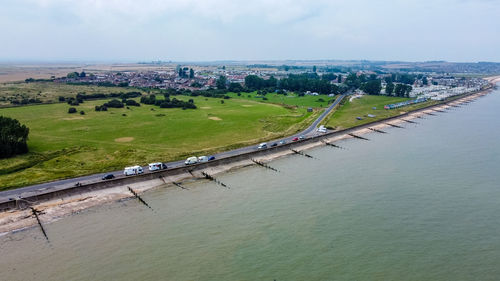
16,193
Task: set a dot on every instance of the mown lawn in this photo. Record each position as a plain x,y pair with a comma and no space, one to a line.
291,99
345,116
66,145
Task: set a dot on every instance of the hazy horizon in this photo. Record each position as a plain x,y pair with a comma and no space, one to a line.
99,31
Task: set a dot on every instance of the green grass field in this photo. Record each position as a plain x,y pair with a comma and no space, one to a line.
49,92
66,145
291,99
345,116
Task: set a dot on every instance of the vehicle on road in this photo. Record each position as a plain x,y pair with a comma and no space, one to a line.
210,158
108,177
262,145
295,139
191,160
202,159
302,137
157,166
274,144
322,129
133,170
282,142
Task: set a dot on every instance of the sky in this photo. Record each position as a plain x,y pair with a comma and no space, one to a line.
210,30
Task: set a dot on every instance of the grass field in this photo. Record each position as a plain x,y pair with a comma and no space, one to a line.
345,116
49,92
291,99
66,145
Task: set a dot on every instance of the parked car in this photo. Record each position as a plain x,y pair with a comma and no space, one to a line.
322,129
282,142
295,139
210,158
157,166
133,170
191,160
108,177
262,145
274,144
202,159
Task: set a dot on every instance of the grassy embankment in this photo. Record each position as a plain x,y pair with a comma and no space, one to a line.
345,116
66,145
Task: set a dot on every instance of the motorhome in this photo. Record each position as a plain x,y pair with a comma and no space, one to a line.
191,160
157,166
134,170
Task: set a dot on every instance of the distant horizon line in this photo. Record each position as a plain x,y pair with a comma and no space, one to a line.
232,61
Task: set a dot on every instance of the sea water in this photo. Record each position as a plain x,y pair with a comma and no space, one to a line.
419,203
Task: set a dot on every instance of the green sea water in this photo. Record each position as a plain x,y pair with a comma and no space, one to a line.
419,203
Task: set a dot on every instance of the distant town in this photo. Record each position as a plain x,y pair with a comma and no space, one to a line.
429,85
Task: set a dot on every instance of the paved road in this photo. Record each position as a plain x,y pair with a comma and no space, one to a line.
15,193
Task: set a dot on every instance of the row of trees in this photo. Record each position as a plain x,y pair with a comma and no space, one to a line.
13,137
168,103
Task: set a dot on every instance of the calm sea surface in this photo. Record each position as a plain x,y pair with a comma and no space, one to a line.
420,203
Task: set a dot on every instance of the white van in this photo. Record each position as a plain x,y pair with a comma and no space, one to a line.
134,170
262,145
191,160
322,129
157,166
202,159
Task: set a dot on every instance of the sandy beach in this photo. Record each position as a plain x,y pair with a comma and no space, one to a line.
14,220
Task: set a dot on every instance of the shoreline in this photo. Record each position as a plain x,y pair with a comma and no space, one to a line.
55,209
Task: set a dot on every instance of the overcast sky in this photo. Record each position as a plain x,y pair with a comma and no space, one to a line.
207,30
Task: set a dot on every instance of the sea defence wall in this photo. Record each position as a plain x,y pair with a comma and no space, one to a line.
55,192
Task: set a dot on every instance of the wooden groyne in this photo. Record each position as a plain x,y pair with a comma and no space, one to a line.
210,177
264,165
301,153
139,197
358,137
377,130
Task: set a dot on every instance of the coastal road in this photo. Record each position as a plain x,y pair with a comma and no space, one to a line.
17,193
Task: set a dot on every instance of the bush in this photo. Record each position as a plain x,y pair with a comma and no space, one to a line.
132,103
82,112
72,110
222,101
13,137
101,108
114,103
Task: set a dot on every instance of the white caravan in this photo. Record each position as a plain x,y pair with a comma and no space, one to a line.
134,170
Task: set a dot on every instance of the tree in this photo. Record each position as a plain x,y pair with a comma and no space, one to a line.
402,90
13,137
221,82
372,87
235,87
72,110
314,68
389,88
73,75
191,73
339,79
82,74
425,81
